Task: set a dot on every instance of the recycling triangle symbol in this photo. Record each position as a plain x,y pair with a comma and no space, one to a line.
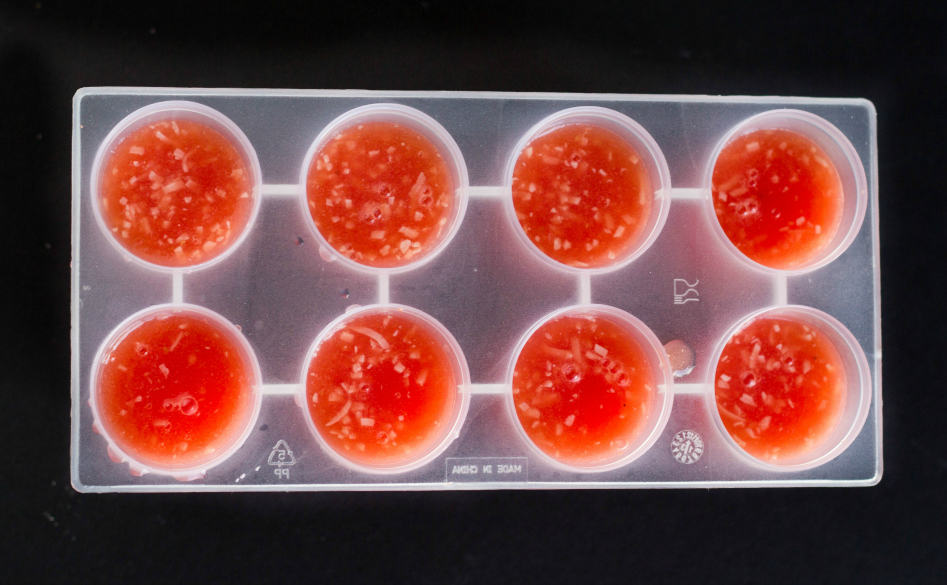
281,455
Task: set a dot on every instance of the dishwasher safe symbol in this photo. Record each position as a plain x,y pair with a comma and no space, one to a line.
685,292
281,457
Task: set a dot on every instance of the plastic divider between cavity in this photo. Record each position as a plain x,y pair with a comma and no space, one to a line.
688,193
693,388
488,388
384,289
487,191
780,292
177,287
279,389
585,288
280,190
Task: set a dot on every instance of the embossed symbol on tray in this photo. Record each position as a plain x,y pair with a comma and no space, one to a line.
685,292
687,446
282,458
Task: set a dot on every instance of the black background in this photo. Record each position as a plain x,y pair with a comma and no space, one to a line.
890,533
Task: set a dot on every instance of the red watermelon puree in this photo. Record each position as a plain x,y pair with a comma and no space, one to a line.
582,195
583,389
780,388
176,193
778,197
176,391
380,194
381,389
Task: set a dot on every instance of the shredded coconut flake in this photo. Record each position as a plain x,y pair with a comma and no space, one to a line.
408,232
173,186
341,414
372,334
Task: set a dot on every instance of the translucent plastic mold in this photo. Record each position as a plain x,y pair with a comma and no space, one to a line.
480,291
